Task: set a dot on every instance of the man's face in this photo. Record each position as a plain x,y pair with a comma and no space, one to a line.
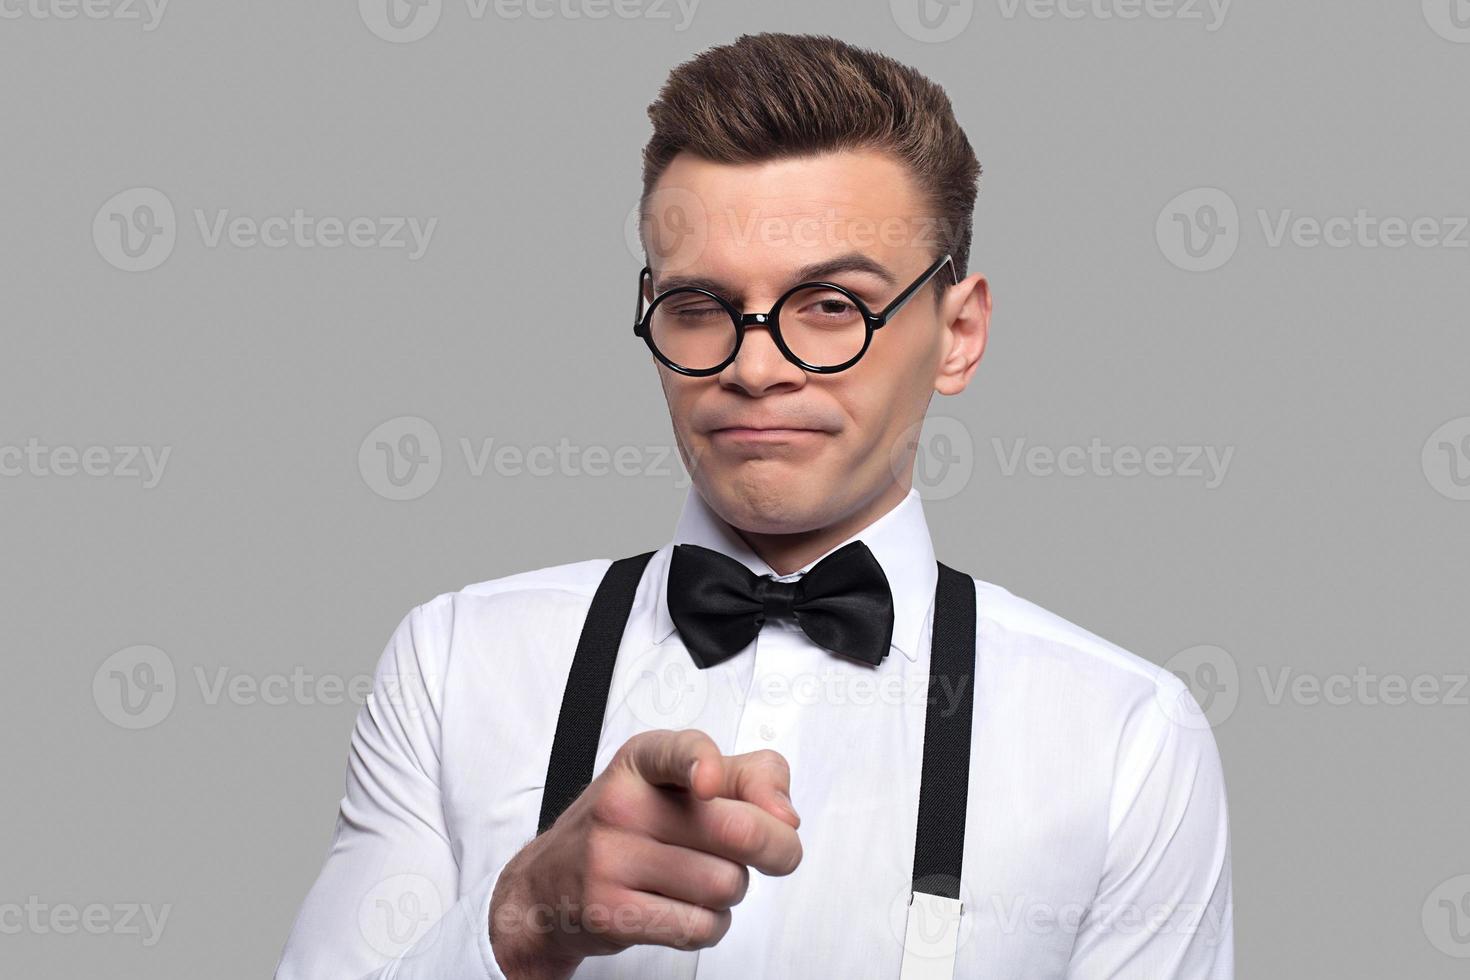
833,443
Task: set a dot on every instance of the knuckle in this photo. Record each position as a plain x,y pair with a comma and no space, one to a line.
728,883
609,915
687,742
739,832
774,761
638,742
701,928
598,859
614,807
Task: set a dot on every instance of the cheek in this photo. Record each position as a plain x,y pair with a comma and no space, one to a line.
676,395
681,397
888,391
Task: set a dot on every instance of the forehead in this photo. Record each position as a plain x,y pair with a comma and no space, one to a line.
751,218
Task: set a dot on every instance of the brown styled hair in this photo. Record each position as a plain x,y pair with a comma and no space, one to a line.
767,96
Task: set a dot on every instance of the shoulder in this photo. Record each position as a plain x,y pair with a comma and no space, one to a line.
550,587
578,577
533,596
523,610
1091,688
1122,720
1022,629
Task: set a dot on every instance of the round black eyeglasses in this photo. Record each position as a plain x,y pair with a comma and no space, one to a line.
819,326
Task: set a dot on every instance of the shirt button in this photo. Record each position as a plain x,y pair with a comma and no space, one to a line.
768,733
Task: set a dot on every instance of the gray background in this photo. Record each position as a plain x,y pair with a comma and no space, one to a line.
1334,545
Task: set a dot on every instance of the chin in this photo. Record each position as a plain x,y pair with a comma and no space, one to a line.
768,497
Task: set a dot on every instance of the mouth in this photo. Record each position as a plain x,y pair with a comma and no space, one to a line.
744,433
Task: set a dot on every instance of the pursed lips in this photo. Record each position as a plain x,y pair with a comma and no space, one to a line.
749,433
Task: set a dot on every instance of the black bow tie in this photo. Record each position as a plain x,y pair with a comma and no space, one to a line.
843,603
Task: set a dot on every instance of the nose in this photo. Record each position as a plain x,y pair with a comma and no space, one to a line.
760,367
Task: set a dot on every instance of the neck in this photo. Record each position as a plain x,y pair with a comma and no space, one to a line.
786,553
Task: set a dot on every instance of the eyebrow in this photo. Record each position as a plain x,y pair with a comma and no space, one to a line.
851,262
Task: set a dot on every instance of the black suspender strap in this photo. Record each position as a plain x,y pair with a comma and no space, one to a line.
932,933
584,702
939,846
931,936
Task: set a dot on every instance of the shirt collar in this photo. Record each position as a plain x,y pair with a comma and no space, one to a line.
899,540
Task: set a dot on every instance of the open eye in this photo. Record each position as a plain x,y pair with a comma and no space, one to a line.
835,306
823,308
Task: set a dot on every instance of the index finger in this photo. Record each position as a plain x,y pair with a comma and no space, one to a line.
762,777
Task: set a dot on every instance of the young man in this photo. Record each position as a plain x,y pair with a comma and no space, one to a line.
573,771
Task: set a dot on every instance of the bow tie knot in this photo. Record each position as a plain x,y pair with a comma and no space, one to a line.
842,604
777,598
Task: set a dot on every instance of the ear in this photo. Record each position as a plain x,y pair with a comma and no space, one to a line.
965,314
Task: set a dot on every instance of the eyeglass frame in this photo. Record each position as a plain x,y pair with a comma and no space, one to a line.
642,319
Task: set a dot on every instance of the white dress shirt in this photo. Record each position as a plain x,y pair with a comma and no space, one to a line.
1096,842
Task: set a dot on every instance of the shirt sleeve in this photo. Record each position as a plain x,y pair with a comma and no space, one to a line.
1163,905
389,903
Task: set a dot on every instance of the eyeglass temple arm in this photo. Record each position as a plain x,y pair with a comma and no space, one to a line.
891,310
638,312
